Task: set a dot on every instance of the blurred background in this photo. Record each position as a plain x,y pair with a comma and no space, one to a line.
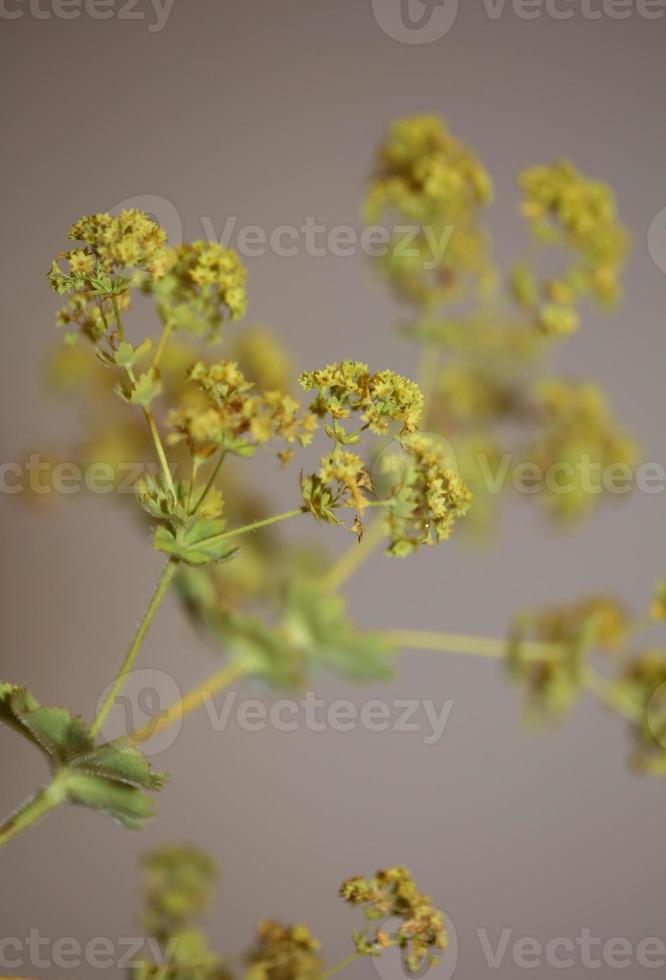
270,112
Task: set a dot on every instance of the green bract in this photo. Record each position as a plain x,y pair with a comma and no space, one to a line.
110,777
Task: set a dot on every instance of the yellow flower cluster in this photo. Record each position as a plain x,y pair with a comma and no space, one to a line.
284,953
422,170
178,882
476,392
658,604
644,683
426,176
392,893
116,245
579,440
204,285
552,681
340,482
263,359
568,210
89,315
114,252
426,498
233,417
349,388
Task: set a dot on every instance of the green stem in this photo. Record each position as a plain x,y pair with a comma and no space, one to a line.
353,557
255,526
611,696
210,483
339,967
190,702
168,573
150,418
480,646
159,448
116,313
32,810
164,339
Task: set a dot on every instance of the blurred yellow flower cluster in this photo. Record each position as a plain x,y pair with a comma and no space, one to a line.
284,953
568,210
426,176
233,417
421,934
579,444
205,285
427,495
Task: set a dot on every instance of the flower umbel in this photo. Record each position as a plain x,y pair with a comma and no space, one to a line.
421,933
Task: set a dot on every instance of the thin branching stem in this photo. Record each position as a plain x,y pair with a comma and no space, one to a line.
150,418
464,643
339,967
31,811
611,695
211,482
166,578
190,702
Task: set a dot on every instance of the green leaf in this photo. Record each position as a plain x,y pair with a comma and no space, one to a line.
160,502
263,651
123,803
127,355
108,777
319,622
197,544
53,730
318,498
147,387
121,762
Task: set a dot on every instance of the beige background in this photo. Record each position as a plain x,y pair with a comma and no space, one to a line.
269,111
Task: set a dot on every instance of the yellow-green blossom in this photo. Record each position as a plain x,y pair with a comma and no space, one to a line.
421,933
349,388
427,177
426,496
284,953
235,418
205,286
568,210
